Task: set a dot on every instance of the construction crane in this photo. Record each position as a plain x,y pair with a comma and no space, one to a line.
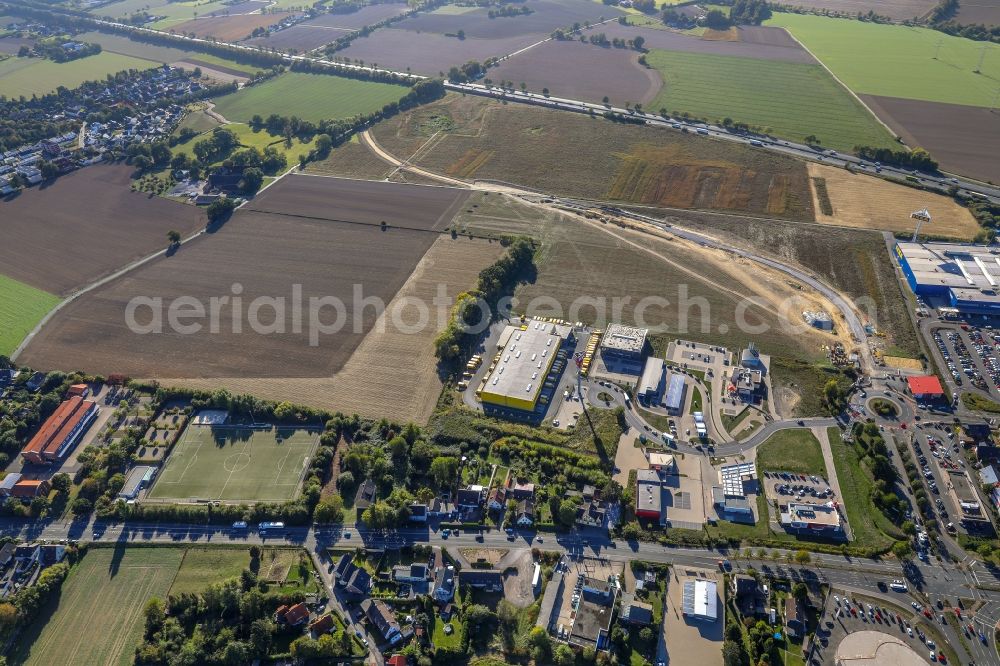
921,216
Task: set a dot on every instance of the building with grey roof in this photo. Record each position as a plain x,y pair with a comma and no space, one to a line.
626,343
962,276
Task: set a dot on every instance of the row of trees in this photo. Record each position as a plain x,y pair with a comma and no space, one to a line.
495,280
918,158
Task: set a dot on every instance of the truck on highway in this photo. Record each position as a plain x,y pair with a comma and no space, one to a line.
755,142
702,131
271,529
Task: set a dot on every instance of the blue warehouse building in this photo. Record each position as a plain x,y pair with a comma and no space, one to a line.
962,276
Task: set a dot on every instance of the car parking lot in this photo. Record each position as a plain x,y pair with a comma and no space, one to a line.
971,356
922,629
786,486
935,454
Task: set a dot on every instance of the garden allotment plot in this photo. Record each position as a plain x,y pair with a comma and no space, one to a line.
236,463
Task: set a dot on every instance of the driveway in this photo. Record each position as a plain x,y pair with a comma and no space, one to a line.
627,458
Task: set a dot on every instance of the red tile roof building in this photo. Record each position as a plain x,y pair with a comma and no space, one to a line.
296,615
60,431
27,489
927,386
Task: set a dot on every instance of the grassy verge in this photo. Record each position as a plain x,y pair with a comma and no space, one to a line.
795,451
976,402
869,525
695,400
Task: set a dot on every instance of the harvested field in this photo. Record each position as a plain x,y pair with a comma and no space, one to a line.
759,34
583,266
104,596
299,38
221,74
123,45
129,7
547,15
428,53
227,28
762,47
986,12
790,100
391,372
367,15
866,202
576,155
963,139
582,71
351,160
730,35
854,261
236,464
50,246
312,97
11,45
246,7
323,235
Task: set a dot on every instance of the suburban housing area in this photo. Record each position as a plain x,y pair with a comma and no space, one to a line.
539,332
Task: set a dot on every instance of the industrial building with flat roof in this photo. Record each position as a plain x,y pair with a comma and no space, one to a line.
652,381
701,600
61,431
627,343
516,381
966,497
966,276
649,495
674,400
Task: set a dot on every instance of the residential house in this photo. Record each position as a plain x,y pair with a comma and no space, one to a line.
469,498
418,513
441,508
296,615
525,513
359,584
634,611
414,573
591,514
322,625
365,497
444,584
51,553
795,617
490,580
522,491
396,660
497,500
26,555
381,618
745,592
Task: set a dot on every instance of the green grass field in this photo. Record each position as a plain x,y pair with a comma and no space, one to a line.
204,566
868,524
98,616
898,61
259,140
234,463
35,76
21,308
792,100
312,97
791,451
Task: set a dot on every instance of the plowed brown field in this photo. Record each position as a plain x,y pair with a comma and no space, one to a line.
327,242
391,372
84,226
228,28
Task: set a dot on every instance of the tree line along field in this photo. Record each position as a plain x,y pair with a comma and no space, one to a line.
122,45
312,97
247,138
898,61
575,155
21,308
789,100
37,76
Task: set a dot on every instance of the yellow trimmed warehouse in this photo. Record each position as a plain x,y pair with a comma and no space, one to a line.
523,366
